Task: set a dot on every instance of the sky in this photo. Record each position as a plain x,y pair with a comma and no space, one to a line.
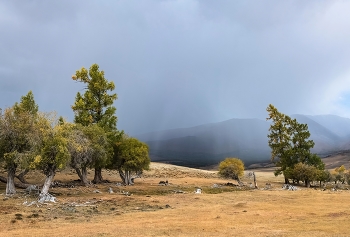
180,63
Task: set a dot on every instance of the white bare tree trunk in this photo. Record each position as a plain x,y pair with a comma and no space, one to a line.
10,185
126,177
131,179
47,183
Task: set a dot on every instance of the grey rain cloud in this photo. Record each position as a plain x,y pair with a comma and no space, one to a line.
180,63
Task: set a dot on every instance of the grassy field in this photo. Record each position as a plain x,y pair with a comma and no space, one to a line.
148,209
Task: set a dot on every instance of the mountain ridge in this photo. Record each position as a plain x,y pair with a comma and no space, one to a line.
208,144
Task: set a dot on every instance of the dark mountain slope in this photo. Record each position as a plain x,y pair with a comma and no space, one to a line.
243,138
209,144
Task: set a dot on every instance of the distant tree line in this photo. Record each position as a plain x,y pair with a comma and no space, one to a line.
31,139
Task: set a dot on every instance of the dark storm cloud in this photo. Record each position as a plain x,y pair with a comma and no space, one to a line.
180,63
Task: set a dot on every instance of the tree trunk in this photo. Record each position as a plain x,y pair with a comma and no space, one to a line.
17,185
286,181
21,178
130,178
79,174
122,175
82,175
10,185
98,176
126,177
49,178
307,183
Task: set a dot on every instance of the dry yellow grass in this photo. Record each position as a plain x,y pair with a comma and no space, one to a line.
155,210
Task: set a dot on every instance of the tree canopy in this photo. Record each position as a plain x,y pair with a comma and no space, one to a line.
95,106
290,144
19,137
54,153
130,157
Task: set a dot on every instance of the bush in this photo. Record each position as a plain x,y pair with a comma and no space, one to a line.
232,168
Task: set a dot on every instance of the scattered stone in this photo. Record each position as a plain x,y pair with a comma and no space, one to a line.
46,198
126,193
28,204
216,186
96,191
167,206
289,187
163,183
110,190
198,191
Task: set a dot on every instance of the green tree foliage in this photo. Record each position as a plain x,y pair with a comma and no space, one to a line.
88,145
290,144
323,176
54,153
81,151
279,139
130,158
27,104
232,168
339,174
95,106
304,172
18,137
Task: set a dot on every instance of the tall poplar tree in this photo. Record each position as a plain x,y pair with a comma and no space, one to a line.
95,106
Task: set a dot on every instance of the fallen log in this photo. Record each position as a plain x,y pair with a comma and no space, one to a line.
17,185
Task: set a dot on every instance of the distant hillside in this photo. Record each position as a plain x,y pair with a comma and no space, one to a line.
243,138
